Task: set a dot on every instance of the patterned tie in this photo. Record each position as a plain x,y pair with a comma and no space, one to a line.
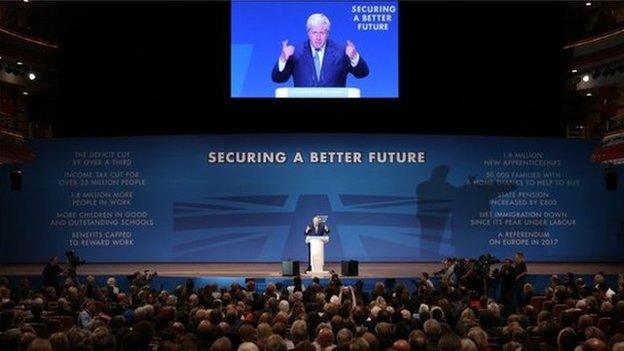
317,63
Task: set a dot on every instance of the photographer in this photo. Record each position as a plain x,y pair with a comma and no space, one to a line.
51,273
347,293
521,271
507,280
141,280
449,273
427,281
483,275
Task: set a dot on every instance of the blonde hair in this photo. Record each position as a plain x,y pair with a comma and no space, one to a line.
317,19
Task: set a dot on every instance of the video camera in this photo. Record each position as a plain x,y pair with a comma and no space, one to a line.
483,264
142,279
445,263
73,260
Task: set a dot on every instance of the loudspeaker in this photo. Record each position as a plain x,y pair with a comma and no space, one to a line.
349,268
610,179
16,180
290,268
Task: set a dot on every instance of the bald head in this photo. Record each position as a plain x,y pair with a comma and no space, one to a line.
204,327
594,344
401,345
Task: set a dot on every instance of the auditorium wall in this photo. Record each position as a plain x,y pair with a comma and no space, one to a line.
248,198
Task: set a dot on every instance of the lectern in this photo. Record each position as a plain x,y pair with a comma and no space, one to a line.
317,92
317,251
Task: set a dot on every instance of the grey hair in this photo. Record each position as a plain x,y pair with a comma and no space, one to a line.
618,346
247,346
317,19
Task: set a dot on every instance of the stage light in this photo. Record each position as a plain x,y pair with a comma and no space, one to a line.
574,70
19,63
588,94
25,93
588,4
32,76
586,78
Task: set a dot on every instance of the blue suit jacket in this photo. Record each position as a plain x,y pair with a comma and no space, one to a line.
322,230
336,65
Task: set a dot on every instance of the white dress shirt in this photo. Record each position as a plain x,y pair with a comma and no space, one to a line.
321,53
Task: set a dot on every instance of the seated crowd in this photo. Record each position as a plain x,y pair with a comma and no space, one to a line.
571,315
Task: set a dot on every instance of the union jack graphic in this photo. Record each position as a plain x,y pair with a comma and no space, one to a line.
270,228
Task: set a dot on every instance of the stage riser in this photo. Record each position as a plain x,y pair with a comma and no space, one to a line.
539,281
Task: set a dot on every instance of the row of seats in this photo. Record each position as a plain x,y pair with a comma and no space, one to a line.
55,324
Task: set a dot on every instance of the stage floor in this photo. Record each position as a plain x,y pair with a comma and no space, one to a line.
274,269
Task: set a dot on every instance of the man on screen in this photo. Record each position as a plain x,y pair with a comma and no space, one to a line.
317,228
318,62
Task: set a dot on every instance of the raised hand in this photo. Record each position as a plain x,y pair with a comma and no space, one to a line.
350,50
287,51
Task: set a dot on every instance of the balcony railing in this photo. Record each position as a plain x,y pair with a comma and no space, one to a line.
24,129
8,121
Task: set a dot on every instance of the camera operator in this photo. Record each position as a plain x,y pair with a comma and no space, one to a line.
470,277
73,262
141,280
483,275
450,274
521,271
507,281
51,273
427,281
333,288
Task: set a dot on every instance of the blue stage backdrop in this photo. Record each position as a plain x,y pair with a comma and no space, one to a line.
249,197
259,27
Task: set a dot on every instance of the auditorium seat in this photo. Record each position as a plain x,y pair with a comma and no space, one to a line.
66,321
547,305
99,306
52,306
54,326
537,301
604,324
558,308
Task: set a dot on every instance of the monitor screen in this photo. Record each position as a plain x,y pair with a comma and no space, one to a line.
319,48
